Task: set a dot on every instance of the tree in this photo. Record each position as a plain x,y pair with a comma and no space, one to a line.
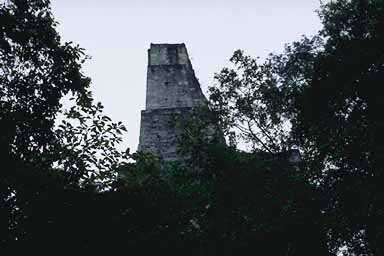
323,91
36,71
40,160
67,186
87,149
338,120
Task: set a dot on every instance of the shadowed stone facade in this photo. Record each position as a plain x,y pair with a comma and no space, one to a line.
172,89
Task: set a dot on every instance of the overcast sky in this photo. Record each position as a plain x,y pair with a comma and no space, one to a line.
117,34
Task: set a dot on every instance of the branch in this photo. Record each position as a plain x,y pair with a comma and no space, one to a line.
251,133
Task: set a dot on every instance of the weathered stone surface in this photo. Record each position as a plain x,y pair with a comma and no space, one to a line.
171,81
172,89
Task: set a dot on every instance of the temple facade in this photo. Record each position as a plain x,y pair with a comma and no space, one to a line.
172,89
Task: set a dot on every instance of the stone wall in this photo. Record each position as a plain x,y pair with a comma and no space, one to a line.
171,80
172,89
158,134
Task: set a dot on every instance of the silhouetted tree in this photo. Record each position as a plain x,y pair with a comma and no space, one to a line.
39,160
64,185
322,96
36,72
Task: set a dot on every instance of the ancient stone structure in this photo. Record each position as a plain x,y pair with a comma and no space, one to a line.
172,89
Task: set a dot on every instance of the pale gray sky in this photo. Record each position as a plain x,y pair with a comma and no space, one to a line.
117,34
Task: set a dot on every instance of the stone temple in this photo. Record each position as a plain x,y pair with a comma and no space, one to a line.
172,89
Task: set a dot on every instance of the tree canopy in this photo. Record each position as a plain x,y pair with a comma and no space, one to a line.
321,96
65,186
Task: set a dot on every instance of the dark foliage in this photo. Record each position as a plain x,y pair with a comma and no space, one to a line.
65,188
322,96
